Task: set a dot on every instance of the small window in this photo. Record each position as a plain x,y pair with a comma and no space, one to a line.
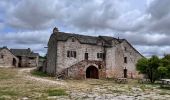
2,56
86,56
31,57
71,54
101,55
125,59
73,40
125,49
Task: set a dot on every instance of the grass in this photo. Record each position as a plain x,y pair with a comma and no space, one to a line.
7,73
57,92
8,93
16,86
39,73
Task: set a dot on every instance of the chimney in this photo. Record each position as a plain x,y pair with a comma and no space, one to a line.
55,30
4,46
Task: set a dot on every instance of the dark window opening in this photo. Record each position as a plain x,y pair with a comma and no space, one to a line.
31,57
71,54
2,56
86,56
101,55
125,59
73,40
125,49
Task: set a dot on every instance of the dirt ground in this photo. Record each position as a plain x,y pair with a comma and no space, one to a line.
19,84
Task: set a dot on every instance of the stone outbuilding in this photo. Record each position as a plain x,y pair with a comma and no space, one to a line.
7,58
80,56
27,58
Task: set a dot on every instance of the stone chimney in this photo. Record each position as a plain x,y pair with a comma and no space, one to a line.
4,46
55,30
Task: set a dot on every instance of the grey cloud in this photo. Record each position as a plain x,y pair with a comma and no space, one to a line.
159,8
36,40
33,37
33,14
160,16
148,51
149,39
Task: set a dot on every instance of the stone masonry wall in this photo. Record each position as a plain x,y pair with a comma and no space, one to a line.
64,62
51,56
7,60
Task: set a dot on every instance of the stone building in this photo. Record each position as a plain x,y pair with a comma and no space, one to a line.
79,56
7,59
27,58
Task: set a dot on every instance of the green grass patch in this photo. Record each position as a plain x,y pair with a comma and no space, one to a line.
39,73
56,92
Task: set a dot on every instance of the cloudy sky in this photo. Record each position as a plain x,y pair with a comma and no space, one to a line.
29,23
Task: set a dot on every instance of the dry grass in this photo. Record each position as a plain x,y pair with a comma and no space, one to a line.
15,86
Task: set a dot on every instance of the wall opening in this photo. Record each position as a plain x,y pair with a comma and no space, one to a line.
125,73
14,62
92,72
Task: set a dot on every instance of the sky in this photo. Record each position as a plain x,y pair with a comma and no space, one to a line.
29,23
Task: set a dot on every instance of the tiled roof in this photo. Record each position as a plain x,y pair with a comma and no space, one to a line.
84,39
24,52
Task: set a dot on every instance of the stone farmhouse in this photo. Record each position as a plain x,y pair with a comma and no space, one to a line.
26,57
79,56
7,59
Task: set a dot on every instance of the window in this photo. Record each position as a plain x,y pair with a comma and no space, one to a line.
2,56
101,55
73,40
86,56
71,54
125,49
125,59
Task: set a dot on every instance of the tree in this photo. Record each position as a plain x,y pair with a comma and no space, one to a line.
165,66
163,71
149,67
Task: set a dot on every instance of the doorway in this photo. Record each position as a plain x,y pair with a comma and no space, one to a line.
14,62
125,73
92,72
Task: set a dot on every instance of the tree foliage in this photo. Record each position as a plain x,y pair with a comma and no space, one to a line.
154,68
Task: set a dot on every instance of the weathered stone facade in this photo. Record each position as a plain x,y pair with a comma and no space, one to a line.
26,57
74,55
7,59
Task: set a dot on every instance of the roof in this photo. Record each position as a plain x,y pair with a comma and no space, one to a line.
84,39
24,52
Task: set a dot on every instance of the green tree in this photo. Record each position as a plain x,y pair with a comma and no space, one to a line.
163,71
165,66
149,67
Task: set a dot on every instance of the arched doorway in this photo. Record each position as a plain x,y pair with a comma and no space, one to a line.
92,72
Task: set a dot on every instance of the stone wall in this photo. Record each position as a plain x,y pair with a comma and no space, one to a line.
64,62
57,59
51,56
7,59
